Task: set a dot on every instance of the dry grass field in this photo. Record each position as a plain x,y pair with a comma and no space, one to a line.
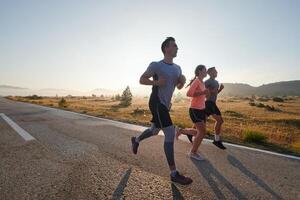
257,122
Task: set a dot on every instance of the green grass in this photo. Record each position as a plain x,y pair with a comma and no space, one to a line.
233,113
293,122
254,137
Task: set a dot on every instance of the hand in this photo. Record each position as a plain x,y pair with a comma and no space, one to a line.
160,82
182,80
206,92
221,86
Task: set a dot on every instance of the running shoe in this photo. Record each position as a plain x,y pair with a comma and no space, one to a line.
182,180
135,145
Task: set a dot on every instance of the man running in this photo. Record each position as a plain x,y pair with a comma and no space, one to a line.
166,76
211,107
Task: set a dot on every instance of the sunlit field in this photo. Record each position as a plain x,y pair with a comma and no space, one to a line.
260,122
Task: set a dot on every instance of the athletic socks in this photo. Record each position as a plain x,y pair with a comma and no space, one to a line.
137,140
217,137
173,173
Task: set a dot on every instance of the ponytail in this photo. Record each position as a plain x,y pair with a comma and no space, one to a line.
191,81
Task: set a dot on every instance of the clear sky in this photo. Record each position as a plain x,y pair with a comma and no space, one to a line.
83,45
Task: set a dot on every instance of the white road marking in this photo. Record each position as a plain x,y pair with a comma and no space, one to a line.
24,134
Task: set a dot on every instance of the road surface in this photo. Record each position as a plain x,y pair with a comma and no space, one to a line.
74,156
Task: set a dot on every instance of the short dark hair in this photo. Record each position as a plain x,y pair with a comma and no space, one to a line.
166,43
210,69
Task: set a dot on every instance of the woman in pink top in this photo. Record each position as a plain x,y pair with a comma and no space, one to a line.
197,92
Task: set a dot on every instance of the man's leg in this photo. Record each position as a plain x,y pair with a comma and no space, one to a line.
169,146
169,151
146,134
218,124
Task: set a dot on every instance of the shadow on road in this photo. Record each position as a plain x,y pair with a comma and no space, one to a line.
237,164
118,193
210,174
176,193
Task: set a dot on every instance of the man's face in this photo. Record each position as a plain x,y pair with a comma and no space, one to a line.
213,73
171,49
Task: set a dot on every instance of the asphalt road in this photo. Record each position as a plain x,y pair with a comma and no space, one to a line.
74,156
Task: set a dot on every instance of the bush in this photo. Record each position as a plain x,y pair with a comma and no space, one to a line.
138,111
62,103
254,137
233,113
272,108
252,104
265,99
251,100
260,105
33,97
278,99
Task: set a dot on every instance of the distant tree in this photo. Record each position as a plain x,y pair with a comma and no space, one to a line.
178,97
62,103
101,96
118,97
94,96
34,97
126,97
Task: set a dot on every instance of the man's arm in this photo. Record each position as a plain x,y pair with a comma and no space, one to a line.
221,88
150,71
213,90
181,82
145,80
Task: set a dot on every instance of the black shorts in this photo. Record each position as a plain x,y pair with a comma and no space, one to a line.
212,108
160,114
197,115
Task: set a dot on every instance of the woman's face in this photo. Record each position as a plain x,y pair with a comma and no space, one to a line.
203,73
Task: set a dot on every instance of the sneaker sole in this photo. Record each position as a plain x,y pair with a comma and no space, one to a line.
180,185
192,157
223,148
132,142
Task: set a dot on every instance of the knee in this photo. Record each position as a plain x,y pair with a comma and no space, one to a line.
169,133
220,121
155,131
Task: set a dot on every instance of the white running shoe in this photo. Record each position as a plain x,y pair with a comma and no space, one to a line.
195,156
